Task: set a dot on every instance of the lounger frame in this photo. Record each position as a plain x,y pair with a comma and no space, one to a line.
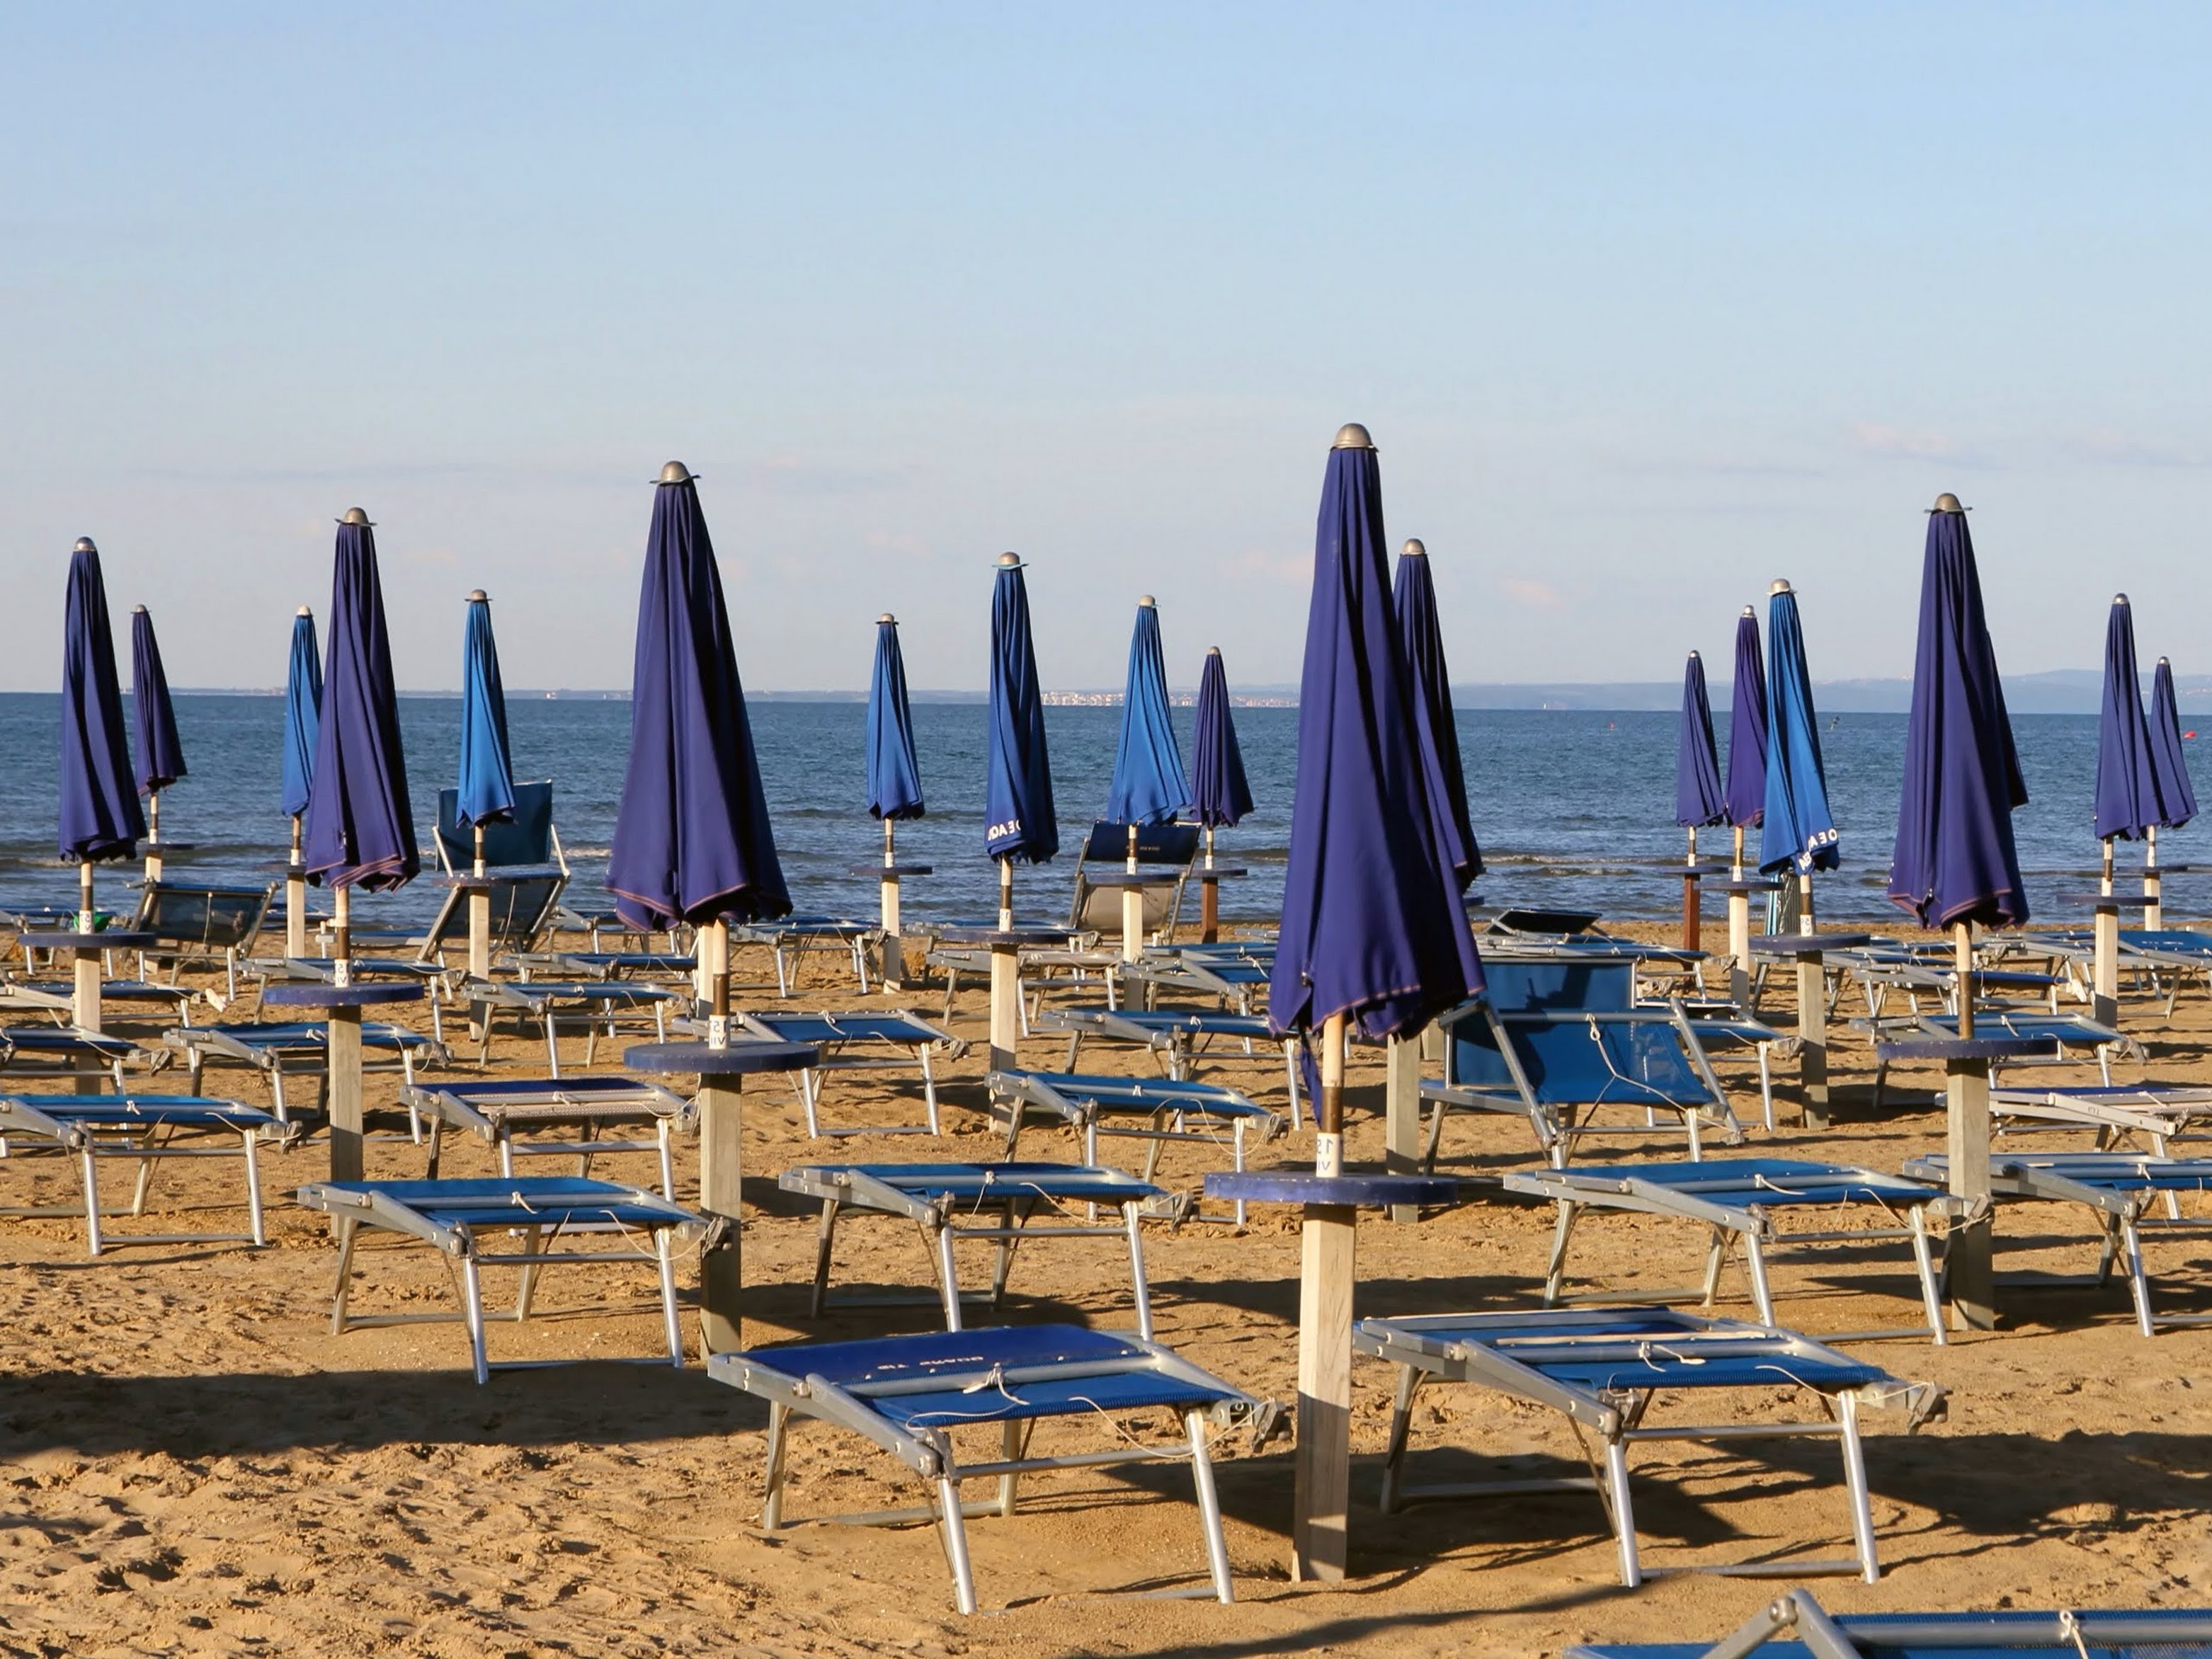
497,1112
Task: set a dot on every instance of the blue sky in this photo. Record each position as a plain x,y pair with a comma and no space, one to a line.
1644,307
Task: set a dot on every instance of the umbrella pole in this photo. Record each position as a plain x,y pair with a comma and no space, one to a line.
1209,898
342,935
1132,908
1328,1110
295,898
1739,926
1322,1468
1811,1014
154,836
1005,978
721,1271
84,1000
2153,911
1968,1260
479,917
2104,1006
1692,907
893,967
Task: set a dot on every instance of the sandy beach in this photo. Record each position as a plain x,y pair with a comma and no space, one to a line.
195,1465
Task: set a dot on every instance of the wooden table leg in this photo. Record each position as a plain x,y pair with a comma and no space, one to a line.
346,1162
1006,1008
1968,1262
722,1275
1813,1039
1401,1114
1323,1463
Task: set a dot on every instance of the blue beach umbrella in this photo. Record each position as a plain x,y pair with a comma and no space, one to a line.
894,775
1020,819
1799,832
1747,762
1147,786
2126,787
2177,801
359,830
160,755
486,794
100,816
1371,927
1698,798
1218,793
1428,693
692,840
303,714
1955,861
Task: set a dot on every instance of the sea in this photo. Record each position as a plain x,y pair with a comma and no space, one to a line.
1573,808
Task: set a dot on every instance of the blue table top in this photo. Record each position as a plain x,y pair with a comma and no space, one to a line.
1809,944
1937,1048
891,871
2110,900
117,939
740,1059
1357,1191
1004,937
314,994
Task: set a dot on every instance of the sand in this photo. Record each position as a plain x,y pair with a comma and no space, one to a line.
195,1465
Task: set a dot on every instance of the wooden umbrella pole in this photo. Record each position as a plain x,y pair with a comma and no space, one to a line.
1969,1260
1006,979
479,917
295,899
1328,1110
2105,990
1005,895
718,983
342,935
890,857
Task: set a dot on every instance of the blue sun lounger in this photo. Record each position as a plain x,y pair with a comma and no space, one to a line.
2072,1038
598,1003
142,1128
70,1051
462,1217
2119,1190
279,1050
2160,1112
58,999
1154,1109
996,1202
1603,1370
670,966
911,1394
1179,1036
1795,1627
1235,978
1742,1199
2177,954
792,937
501,1111
872,1040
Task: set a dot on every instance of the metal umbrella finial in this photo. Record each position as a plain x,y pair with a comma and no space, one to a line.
1010,560
675,472
303,610
2119,599
84,545
138,610
1145,602
1947,502
888,617
478,596
1352,435
356,516
1748,611
1413,549
1780,584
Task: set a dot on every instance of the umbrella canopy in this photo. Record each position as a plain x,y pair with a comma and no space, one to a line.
1371,923
486,794
894,776
692,840
2127,787
2177,801
1428,693
1020,819
160,755
1799,832
1955,860
359,830
1147,786
303,713
1747,767
1698,798
1218,795
101,817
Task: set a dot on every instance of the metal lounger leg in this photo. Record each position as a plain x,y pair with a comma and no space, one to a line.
1401,1424
1923,1258
253,1187
1766,1083
955,1532
1290,1066
472,1311
1137,1273
950,1284
533,1240
810,1090
1013,1439
779,1429
668,1312
552,1043
1624,1515
437,1147
828,1232
88,1162
347,1230
1236,1159
1563,1229
1209,1508
667,1163
929,1089
2137,1283
1855,1478
1715,1257
1755,1264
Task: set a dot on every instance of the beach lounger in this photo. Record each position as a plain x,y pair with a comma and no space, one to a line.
598,1004
2174,954
996,1202
58,998
1180,1037
792,937
527,839
142,1128
510,1115
195,925
2073,1038
1165,853
1603,1370
70,1051
1237,981
1744,1201
295,1048
1153,1109
463,1219
911,1394
2118,1188
2159,1112
655,966
1795,1627
871,1040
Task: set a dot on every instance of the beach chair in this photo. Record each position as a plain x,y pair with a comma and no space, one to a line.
599,1005
196,925
1744,1201
2157,1112
2073,1038
1236,978
2118,1188
790,937
56,999
463,1219
911,1394
1165,853
510,1115
997,1203
143,1128
2175,955
1795,1627
1180,1037
70,1051
1557,1041
301,1048
1152,1109
1605,1370
871,1040
528,841
653,967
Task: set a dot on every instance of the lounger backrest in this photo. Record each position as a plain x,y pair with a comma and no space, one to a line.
1160,845
1157,843
526,839
213,918
1573,1063
522,909
1560,985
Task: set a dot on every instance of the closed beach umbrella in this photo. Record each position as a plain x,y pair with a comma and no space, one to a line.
1372,930
692,840
1218,793
1747,762
1698,798
303,716
1436,731
1799,832
160,755
100,817
487,771
894,775
1020,820
2177,801
1147,786
2126,787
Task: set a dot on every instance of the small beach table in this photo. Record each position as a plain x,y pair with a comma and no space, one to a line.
2104,986
1331,1207
1005,945
890,971
341,1007
1809,952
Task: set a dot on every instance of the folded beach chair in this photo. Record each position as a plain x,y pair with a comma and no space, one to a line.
871,1040
469,1220
1744,1201
911,1394
2119,1190
1795,1627
1604,1371
996,1202
1152,1109
301,1048
523,1117
598,1004
1180,1037
196,925
792,937
142,1128
1557,1041
68,1051
2159,1112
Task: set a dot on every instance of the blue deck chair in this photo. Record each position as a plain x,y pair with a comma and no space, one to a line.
1602,1369
68,1051
995,1203
1795,1627
1556,1041
511,1114
295,1048
598,1004
194,925
2175,955
529,840
1152,1109
1182,1038
911,1394
2157,1113
1165,851
870,1040
2074,1038
1236,978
